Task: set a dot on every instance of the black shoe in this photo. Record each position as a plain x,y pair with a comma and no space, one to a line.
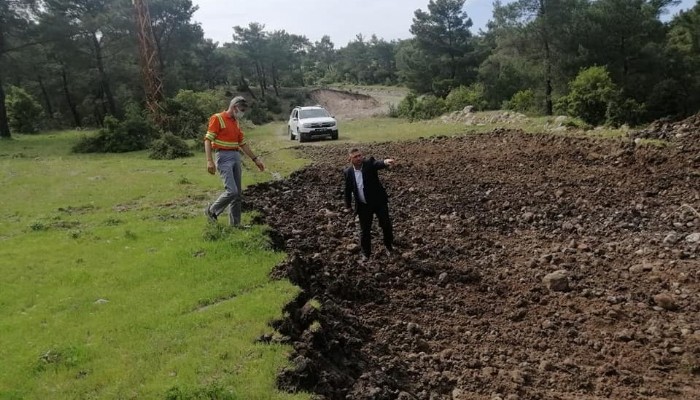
390,252
364,259
210,215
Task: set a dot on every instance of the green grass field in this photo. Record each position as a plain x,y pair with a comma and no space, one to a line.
114,287
109,289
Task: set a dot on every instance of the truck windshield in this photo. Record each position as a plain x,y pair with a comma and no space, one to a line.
313,113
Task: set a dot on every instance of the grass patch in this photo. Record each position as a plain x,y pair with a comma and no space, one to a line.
315,304
652,143
392,129
109,288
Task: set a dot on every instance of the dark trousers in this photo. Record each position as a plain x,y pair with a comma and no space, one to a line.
366,213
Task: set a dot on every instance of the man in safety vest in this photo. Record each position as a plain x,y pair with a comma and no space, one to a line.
225,139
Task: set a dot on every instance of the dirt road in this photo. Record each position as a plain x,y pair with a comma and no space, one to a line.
531,267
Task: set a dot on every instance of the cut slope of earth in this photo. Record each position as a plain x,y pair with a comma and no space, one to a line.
469,309
348,105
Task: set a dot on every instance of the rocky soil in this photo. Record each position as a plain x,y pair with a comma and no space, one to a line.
529,267
684,134
469,117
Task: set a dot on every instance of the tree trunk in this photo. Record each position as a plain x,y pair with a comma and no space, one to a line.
112,108
275,82
47,100
261,79
159,53
101,96
69,99
99,117
548,80
246,87
4,125
625,62
549,108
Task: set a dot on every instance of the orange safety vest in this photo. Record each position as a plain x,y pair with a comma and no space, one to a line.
224,133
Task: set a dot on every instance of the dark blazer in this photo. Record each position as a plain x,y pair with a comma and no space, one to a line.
374,192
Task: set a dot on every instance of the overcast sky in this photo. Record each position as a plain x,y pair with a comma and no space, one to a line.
342,20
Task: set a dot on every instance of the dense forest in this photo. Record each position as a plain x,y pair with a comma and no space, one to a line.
74,63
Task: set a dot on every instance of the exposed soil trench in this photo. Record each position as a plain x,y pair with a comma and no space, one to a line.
464,312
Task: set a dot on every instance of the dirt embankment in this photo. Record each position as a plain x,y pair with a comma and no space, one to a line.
352,105
531,267
685,133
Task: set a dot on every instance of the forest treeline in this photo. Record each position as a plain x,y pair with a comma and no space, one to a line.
72,63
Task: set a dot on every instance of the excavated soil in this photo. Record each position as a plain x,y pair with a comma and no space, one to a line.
347,105
529,267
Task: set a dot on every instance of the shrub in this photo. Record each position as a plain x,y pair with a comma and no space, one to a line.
664,99
591,92
299,99
393,111
577,123
258,114
625,111
442,87
23,111
273,105
188,112
523,101
472,95
429,107
169,147
134,133
406,105
426,107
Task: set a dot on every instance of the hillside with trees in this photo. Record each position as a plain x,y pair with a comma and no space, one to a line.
73,63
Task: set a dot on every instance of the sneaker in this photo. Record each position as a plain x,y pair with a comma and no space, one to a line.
210,215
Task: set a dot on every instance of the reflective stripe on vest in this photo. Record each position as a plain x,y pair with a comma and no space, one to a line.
227,145
222,124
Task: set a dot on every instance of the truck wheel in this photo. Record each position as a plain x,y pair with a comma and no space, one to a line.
303,137
334,135
291,134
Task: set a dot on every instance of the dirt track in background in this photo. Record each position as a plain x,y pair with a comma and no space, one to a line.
466,310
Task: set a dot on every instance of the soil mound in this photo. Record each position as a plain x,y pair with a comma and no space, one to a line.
686,132
347,105
530,267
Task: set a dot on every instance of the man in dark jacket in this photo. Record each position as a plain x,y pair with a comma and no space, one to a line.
362,182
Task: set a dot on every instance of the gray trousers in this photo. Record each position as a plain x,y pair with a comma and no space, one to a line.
228,163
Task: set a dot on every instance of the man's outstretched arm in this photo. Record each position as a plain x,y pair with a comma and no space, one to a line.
381,164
